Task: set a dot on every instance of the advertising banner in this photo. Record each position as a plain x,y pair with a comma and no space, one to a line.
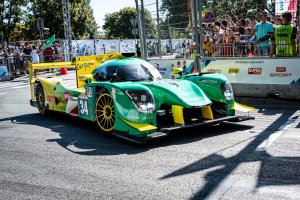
128,46
286,5
4,73
241,71
104,46
82,47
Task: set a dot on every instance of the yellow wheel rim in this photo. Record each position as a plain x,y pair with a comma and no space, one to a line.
40,99
105,114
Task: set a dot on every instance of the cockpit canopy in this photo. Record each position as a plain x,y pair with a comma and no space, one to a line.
129,69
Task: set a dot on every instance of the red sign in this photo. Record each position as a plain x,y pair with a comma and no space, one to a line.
280,69
254,70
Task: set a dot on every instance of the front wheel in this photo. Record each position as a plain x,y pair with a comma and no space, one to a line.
105,113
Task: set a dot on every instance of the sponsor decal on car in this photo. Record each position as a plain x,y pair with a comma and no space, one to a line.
66,96
233,70
53,99
256,71
208,81
89,92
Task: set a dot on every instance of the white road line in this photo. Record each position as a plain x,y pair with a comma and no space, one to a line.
23,86
273,137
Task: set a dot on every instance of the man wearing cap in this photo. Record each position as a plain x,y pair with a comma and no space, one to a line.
284,38
263,31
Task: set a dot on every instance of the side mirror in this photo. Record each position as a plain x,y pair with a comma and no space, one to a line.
86,78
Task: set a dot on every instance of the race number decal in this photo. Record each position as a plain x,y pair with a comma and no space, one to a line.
83,107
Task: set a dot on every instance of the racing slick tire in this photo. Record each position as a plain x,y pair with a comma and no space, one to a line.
105,113
40,99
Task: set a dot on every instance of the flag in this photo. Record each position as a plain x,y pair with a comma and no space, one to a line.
50,41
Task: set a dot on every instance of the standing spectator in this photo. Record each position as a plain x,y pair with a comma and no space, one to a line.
56,52
22,58
217,41
246,39
1,55
138,49
208,45
48,54
27,51
10,60
284,39
238,48
34,55
263,32
228,44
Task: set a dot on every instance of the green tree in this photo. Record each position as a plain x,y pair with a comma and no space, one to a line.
238,8
117,24
11,15
83,23
177,11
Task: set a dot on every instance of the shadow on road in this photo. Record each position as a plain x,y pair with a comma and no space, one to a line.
82,137
273,170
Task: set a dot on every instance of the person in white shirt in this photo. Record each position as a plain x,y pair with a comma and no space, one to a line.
34,55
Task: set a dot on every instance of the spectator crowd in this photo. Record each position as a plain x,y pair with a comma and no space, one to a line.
248,37
16,56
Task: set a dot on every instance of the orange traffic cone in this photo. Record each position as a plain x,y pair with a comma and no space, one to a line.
63,70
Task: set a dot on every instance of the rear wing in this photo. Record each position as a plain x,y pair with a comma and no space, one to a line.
84,66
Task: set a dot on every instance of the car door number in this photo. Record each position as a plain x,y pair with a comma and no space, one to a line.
83,107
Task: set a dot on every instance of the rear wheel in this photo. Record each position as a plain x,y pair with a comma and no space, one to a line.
40,99
105,113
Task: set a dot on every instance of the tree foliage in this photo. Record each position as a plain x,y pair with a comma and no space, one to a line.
83,23
180,14
117,24
10,16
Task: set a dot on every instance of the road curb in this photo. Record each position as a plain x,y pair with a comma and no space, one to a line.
270,102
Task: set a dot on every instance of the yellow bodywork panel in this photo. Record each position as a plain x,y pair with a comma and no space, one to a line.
178,114
140,127
207,112
242,108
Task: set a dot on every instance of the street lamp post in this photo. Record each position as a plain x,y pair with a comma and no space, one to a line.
197,57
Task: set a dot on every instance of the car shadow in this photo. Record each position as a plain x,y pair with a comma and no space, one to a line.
273,170
82,137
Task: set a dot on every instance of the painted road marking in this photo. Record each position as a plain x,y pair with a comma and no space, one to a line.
273,137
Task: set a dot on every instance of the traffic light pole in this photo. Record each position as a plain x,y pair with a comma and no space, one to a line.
67,28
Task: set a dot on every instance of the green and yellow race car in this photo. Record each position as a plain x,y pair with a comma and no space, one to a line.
127,97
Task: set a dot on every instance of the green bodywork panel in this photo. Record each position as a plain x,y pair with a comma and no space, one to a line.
211,85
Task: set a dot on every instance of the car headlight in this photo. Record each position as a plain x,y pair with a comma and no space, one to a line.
142,100
227,91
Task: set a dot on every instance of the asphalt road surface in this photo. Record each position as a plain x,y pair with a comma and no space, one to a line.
59,157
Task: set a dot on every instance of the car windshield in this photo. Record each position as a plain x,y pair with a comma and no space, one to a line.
137,72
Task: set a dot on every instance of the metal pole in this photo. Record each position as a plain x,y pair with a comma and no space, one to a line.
197,64
170,35
139,27
143,29
201,35
158,29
